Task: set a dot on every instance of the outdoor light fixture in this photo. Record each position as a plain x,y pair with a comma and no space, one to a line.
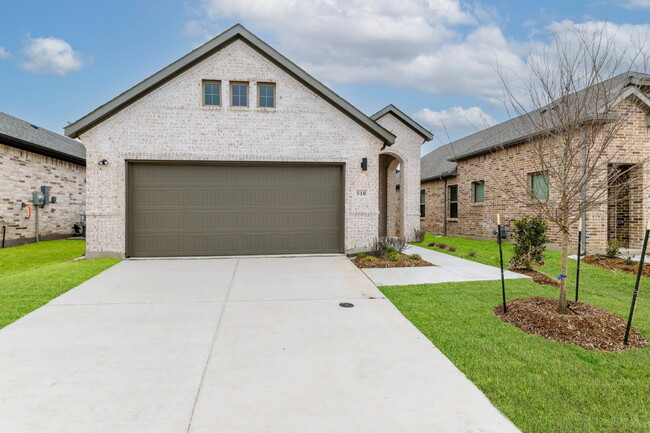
364,164
103,162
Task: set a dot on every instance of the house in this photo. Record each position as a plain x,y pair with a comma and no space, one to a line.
30,158
235,150
462,183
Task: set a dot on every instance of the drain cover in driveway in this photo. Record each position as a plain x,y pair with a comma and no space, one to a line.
346,305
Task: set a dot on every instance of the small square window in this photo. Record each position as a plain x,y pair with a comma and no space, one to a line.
423,199
479,191
239,94
539,185
211,93
266,95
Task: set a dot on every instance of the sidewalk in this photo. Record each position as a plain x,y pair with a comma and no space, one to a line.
447,269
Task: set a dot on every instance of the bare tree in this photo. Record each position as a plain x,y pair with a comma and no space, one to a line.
569,112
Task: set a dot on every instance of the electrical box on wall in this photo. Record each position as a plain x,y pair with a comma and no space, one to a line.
46,193
38,198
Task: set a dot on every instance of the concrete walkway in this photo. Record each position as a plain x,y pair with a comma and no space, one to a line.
231,345
447,269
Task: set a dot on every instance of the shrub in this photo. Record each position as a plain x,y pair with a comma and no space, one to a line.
369,258
613,249
530,240
629,261
381,245
398,243
390,250
415,257
418,235
361,255
392,256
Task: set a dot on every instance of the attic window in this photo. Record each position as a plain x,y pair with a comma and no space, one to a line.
266,95
239,94
211,92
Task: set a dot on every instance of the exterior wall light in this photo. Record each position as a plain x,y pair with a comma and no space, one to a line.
103,162
364,164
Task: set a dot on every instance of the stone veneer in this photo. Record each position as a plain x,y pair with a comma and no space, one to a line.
171,123
22,172
478,220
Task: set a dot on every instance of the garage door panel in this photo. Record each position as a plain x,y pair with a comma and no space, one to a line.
181,210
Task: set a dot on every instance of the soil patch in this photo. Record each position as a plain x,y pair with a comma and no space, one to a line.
538,277
616,263
443,247
592,328
381,262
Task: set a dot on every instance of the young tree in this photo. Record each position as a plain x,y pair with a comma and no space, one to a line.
570,111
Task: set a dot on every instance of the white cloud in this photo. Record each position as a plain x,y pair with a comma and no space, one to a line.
443,47
51,56
455,121
636,4
3,53
411,43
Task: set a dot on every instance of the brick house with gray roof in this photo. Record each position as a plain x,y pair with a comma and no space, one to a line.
459,197
32,157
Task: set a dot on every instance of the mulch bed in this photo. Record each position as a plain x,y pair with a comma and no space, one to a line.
616,263
592,328
443,247
538,277
380,262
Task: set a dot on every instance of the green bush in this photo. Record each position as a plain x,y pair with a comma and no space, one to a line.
361,255
369,258
530,241
392,256
418,235
613,249
415,257
390,250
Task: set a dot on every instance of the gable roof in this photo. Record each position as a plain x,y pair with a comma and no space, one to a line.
415,126
441,162
237,32
24,135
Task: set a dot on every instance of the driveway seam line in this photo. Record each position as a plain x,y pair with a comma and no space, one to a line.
214,339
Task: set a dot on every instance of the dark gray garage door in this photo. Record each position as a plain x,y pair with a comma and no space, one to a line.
210,209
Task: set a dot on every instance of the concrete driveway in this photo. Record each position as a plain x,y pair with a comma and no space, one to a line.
231,345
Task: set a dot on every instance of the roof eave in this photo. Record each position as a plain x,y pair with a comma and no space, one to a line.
408,121
41,150
236,32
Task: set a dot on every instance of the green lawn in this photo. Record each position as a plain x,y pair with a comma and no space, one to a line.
541,385
32,275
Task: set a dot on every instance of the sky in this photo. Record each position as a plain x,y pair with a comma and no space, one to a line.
439,61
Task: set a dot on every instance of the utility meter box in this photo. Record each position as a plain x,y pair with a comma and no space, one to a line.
38,198
46,192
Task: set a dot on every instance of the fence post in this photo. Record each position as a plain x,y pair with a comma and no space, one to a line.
636,285
503,281
578,258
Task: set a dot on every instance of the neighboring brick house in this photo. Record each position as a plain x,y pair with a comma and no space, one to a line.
31,157
233,149
459,195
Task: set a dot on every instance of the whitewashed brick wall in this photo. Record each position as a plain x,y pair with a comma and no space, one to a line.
407,149
171,123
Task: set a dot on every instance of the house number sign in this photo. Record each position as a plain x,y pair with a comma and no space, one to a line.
362,192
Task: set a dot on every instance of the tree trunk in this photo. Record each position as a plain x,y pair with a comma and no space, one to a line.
565,257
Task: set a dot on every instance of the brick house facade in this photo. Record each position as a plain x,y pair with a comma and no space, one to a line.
459,166
165,119
31,157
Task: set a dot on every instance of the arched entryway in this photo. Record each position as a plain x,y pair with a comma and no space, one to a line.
391,205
